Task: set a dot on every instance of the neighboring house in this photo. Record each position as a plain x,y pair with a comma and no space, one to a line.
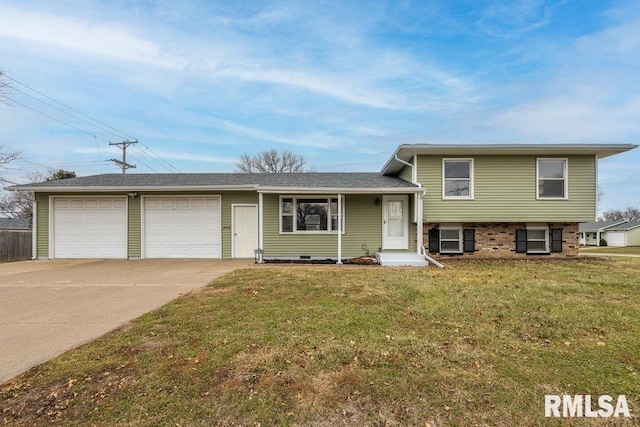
15,224
625,234
466,200
592,232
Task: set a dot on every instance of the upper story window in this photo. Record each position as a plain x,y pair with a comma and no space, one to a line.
552,179
457,178
310,214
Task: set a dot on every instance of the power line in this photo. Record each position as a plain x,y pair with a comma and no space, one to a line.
154,156
60,121
67,113
66,106
158,161
142,163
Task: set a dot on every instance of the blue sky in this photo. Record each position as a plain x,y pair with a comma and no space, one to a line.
341,82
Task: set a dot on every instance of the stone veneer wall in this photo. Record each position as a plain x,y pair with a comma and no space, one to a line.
498,240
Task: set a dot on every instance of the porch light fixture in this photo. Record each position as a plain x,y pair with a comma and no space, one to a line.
377,201
132,195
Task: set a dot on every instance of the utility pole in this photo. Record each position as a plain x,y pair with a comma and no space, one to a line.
123,163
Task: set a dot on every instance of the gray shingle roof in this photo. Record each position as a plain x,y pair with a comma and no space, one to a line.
629,225
311,180
595,226
15,223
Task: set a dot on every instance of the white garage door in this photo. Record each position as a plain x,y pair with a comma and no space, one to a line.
90,227
615,238
182,227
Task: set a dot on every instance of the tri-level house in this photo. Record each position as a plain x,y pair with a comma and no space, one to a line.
471,201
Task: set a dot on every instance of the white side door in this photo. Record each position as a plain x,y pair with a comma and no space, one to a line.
395,222
245,230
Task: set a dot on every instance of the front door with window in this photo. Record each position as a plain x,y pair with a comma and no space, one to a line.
395,222
245,230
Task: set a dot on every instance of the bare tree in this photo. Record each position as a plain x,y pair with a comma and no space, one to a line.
19,204
271,161
628,214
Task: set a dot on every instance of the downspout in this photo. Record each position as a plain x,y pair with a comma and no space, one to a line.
339,229
260,228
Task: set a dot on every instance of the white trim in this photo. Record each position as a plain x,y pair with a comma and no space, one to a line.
261,225
343,191
34,229
52,199
294,199
471,195
460,239
340,216
566,178
132,188
405,221
233,226
547,242
414,170
143,248
419,225
595,214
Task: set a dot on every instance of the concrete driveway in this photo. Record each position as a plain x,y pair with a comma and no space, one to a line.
49,307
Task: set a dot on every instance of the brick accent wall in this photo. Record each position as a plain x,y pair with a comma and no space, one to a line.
498,240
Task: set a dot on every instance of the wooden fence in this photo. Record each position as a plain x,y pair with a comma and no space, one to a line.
15,245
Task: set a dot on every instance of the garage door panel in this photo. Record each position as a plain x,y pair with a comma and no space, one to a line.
90,228
615,238
182,227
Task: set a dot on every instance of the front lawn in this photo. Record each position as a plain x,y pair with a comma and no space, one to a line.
478,343
631,250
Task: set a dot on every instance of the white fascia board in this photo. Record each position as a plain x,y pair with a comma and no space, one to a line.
156,189
307,190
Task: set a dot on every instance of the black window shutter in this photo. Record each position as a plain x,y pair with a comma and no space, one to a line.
469,244
556,240
521,241
434,240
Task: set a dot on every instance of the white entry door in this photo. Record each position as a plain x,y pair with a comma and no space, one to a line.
395,222
245,230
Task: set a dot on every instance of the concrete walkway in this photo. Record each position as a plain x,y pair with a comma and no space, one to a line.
49,307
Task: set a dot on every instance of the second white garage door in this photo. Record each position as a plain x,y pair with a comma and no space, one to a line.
182,227
615,238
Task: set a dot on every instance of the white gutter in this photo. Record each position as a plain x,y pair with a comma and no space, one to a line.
118,189
307,190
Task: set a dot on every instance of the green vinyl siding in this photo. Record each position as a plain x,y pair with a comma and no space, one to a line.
505,190
363,225
134,234
633,237
228,199
406,173
42,231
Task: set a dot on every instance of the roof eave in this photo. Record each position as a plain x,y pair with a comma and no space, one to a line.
335,190
120,189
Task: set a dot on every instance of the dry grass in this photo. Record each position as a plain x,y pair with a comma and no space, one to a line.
479,343
629,250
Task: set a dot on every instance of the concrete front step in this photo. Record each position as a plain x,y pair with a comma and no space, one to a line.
401,259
